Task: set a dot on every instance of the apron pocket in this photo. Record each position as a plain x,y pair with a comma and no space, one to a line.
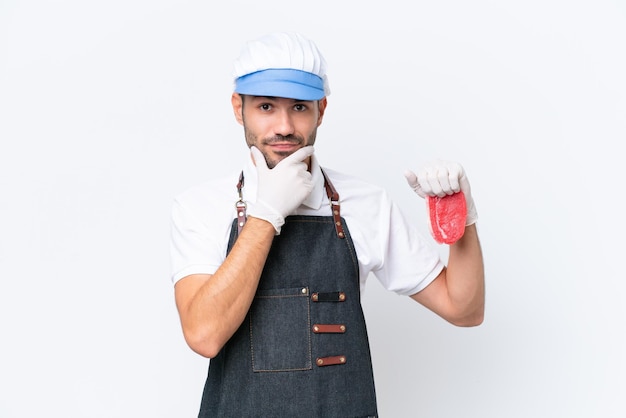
280,337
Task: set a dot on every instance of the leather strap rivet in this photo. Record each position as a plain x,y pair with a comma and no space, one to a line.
240,223
342,359
343,327
316,328
320,361
340,234
314,296
336,212
342,296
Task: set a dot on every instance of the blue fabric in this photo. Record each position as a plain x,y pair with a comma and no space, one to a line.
288,83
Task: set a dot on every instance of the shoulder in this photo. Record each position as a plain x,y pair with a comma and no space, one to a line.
355,189
209,197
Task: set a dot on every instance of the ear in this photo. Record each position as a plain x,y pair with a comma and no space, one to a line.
322,108
237,101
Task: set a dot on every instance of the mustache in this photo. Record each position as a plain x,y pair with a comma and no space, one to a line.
282,139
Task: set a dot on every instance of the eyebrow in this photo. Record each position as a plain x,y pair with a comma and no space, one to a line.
274,98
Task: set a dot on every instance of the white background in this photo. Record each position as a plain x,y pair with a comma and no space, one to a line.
110,109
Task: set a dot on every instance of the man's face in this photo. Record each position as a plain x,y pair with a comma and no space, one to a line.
277,126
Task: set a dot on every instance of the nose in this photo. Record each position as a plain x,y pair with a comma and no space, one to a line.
284,124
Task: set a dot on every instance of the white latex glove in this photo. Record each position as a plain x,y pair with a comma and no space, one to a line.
441,178
281,189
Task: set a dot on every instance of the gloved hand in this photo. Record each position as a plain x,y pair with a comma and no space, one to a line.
441,178
280,189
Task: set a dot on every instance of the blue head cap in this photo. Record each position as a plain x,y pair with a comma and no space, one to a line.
283,64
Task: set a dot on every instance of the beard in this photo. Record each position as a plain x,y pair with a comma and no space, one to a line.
253,140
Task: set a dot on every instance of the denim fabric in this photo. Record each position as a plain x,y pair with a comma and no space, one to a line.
268,324
268,368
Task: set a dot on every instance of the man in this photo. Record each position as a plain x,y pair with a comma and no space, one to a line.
269,263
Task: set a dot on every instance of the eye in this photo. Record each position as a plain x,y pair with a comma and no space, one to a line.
299,107
265,107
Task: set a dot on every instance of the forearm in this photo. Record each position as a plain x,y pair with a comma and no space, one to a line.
211,311
465,279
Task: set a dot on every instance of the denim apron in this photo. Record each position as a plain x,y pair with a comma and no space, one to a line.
302,350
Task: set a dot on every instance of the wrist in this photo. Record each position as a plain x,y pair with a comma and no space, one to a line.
261,224
263,211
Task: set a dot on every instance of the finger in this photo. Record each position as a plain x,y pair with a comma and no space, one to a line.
300,155
443,180
455,175
411,179
258,157
464,185
429,181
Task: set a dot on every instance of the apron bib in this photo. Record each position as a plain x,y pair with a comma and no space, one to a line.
302,350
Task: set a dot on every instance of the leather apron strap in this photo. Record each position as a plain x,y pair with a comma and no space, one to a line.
331,192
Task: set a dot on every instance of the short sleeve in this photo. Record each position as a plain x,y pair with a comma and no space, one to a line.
410,262
194,248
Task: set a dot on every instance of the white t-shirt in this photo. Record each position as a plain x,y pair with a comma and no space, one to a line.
385,243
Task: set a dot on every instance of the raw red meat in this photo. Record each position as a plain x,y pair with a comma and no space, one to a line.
446,217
